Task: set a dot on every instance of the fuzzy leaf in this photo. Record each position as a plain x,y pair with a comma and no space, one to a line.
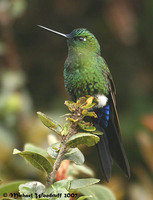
89,106
86,126
96,132
35,149
53,150
89,114
63,192
60,189
33,188
71,105
66,129
66,115
71,119
49,123
63,183
89,103
75,155
98,192
84,182
84,197
90,100
81,101
37,160
83,138
46,121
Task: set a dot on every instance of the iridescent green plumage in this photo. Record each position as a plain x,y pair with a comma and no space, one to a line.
84,67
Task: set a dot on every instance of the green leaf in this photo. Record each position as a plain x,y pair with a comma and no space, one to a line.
63,183
53,150
37,160
81,102
60,189
89,106
66,115
63,192
98,192
90,102
75,155
10,187
84,197
89,114
84,182
83,138
46,120
49,123
71,105
66,129
33,188
86,126
71,119
35,149
97,132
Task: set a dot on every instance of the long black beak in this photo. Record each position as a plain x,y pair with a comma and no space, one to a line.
58,33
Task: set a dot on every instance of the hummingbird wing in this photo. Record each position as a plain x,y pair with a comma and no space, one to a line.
112,91
110,145
114,134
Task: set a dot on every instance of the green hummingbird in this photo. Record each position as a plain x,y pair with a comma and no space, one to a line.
86,73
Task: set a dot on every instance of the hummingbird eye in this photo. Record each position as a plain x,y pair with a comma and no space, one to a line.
80,38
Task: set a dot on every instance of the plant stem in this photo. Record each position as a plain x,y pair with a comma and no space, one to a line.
51,176
62,151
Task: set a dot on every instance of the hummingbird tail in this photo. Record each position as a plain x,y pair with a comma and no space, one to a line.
116,147
104,154
110,146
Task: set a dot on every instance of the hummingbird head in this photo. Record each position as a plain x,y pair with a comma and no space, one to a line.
79,40
82,39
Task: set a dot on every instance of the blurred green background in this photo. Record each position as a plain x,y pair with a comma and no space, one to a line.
31,79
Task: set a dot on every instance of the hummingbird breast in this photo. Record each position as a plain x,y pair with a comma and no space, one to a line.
83,75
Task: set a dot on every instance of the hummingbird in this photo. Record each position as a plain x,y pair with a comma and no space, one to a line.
86,73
